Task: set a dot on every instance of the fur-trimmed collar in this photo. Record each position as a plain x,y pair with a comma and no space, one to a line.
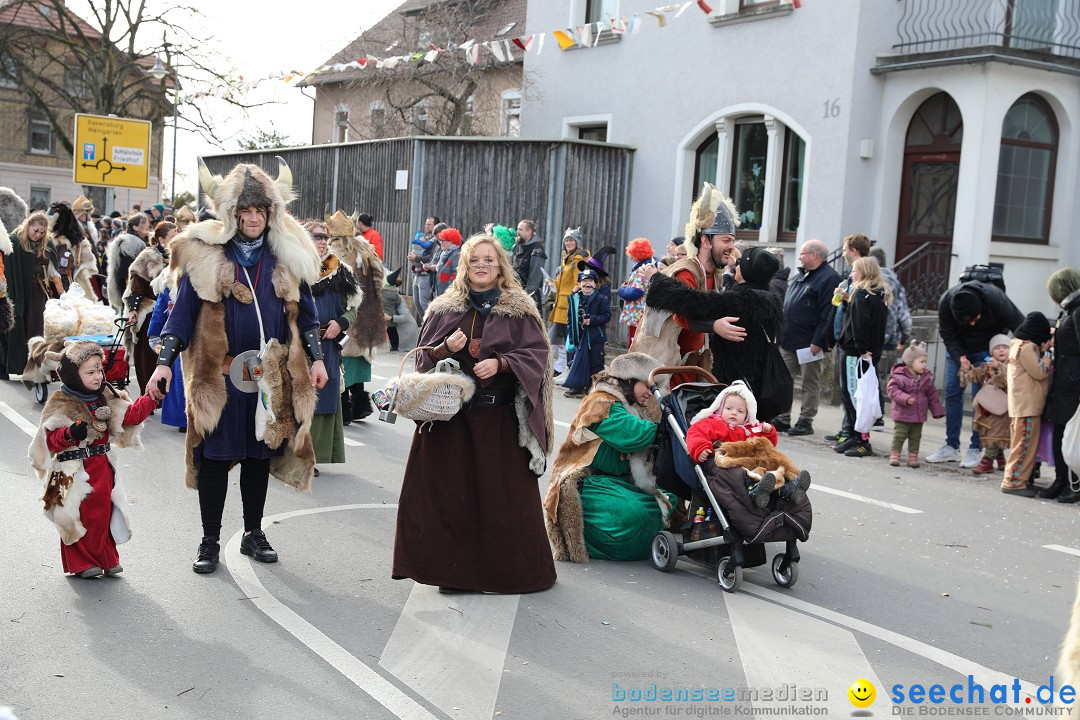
512,303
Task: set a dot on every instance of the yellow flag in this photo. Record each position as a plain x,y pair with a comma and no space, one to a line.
564,39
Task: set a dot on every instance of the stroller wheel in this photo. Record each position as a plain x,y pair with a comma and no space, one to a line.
729,578
41,392
790,576
665,551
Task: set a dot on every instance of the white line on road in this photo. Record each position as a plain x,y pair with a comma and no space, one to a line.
868,501
354,443
1063,549
22,423
560,423
379,688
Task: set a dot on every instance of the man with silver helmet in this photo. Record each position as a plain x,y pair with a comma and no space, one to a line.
243,281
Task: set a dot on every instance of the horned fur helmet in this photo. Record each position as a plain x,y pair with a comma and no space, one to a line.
340,225
62,221
247,186
712,213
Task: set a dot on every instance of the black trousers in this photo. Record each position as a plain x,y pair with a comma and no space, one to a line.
391,332
214,485
845,396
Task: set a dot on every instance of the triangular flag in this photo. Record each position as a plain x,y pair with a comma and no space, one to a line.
661,19
635,24
472,55
796,4
431,55
618,26
600,26
704,7
525,42
564,39
683,8
585,32
507,49
540,43
468,45
497,50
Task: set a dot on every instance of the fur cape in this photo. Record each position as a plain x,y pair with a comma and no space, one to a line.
13,211
60,411
199,253
148,265
368,334
532,405
123,245
39,367
562,505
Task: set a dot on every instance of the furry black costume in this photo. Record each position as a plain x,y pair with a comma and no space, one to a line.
760,312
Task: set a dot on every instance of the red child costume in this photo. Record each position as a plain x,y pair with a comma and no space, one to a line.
71,455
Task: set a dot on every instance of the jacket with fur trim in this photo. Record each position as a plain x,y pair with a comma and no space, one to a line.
120,253
562,503
368,334
515,333
212,324
142,273
124,427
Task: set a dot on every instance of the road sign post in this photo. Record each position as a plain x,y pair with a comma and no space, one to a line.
113,152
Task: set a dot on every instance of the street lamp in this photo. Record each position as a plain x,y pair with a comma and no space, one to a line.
159,72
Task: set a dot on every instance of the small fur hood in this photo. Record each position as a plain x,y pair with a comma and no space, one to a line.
736,388
512,303
148,264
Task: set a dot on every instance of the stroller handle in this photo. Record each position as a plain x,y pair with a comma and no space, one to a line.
672,369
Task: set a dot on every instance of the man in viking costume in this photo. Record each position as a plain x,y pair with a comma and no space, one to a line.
244,317
671,337
368,334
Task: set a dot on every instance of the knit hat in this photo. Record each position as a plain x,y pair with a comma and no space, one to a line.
70,358
1035,328
965,305
736,388
159,207
999,339
639,249
633,366
913,352
453,235
573,233
678,239
758,265
596,262
1063,283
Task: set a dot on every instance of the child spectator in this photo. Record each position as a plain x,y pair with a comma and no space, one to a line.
912,391
991,404
70,454
1028,379
733,418
632,292
588,315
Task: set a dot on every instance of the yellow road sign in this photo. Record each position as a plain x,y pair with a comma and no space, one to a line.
111,151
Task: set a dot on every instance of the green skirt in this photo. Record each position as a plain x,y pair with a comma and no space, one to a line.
357,370
620,520
328,437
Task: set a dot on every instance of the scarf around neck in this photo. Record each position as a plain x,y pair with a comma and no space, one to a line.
249,251
86,397
484,301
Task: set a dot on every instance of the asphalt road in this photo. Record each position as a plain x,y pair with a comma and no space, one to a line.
910,576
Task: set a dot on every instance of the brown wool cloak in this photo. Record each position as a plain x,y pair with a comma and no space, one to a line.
515,333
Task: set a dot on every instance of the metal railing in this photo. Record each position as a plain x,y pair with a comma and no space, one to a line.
925,275
1048,27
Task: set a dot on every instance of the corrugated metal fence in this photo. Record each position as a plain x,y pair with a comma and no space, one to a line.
467,183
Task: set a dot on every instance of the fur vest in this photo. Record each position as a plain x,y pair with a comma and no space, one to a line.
148,265
119,255
199,253
657,332
562,505
60,411
368,334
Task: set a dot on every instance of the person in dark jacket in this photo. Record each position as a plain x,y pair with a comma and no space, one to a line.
1064,395
807,310
969,314
779,282
862,338
528,260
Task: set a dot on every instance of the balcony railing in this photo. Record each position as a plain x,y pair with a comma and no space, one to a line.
924,274
1022,27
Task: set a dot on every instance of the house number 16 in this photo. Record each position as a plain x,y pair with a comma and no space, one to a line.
832,108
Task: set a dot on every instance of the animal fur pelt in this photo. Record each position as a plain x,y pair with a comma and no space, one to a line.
148,265
199,253
7,315
757,456
60,411
368,334
64,229
13,211
38,367
414,387
336,277
125,246
562,504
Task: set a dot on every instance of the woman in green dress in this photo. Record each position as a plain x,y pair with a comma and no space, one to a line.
602,501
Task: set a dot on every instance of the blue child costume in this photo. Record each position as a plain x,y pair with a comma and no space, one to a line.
227,286
586,342
172,405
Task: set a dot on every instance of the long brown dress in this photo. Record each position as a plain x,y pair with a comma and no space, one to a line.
470,516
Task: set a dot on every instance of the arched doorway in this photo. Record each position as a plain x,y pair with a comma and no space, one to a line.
931,171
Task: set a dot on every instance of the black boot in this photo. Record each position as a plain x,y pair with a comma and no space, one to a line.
361,402
759,494
1068,495
346,408
207,560
1054,489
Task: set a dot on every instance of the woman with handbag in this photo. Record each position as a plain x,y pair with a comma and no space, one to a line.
469,518
1064,396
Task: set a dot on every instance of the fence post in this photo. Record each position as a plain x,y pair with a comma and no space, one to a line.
554,220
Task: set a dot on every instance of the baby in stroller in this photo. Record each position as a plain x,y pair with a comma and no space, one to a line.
730,424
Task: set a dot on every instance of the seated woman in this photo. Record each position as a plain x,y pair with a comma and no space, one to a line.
602,501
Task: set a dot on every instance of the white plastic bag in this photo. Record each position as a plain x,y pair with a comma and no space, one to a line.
61,319
1070,443
867,401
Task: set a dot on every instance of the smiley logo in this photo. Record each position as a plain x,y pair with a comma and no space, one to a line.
862,693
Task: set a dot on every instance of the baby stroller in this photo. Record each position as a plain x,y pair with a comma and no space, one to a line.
735,538
116,364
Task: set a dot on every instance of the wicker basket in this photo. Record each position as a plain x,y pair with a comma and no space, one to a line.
443,399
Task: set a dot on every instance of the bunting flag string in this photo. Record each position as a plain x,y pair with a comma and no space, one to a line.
502,49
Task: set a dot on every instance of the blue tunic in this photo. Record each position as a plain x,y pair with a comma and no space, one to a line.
172,406
234,436
328,305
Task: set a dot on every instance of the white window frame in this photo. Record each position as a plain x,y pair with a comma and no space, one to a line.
377,106
577,12
42,120
341,124
571,125
8,83
506,112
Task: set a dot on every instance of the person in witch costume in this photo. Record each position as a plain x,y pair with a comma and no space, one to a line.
589,312
336,298
243,282
71,455
469,517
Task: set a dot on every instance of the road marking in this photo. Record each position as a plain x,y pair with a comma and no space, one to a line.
560,423
379,377
354,443
868,501
20,422
451,649
379,688
1064,549
812,653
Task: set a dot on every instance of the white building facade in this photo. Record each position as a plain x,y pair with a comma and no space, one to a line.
945,130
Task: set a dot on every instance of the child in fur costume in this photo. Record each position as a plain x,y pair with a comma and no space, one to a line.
913,394
731,425
70,454
602,501
991,406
